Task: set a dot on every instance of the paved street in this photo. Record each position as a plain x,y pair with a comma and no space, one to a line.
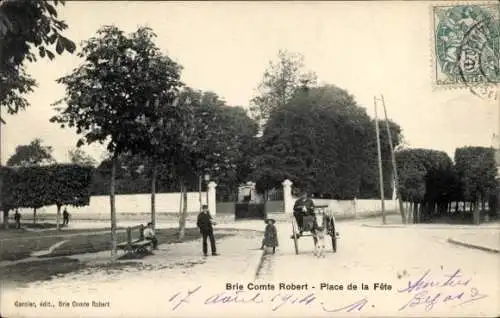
465,281
393,256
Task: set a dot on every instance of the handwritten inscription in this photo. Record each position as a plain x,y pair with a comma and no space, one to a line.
449,289
274,301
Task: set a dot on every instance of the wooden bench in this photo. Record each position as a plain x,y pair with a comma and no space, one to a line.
138,246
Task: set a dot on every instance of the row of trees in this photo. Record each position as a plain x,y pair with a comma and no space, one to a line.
38,186
128,95
432,182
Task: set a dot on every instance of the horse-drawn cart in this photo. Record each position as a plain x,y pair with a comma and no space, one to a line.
318,225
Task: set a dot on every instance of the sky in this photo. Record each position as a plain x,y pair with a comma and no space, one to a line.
367,48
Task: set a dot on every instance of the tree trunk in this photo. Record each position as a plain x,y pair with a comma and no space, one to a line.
58,218
456,206
183,212
6,218
484,213
34,216
153,196
114,238
402,210
199,190
421,209
476,215
266,197
5,210
408,212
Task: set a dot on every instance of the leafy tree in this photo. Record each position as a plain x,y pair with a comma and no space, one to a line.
78,156
108,97
27,26
427,178
167,134
34,153
214,141
224,138
476,169
280,81
318,141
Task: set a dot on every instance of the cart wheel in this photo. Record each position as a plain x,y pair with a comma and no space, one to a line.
333,235
295,240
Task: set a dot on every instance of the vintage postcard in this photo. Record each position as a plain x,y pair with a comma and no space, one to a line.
249,158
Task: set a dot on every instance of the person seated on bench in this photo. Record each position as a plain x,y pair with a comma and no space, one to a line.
302,207
149,234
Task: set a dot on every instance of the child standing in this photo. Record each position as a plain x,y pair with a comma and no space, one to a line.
270,235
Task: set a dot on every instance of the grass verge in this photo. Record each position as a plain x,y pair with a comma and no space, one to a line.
101,242
48,268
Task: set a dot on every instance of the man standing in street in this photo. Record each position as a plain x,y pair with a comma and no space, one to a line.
17,218
65,217
205,224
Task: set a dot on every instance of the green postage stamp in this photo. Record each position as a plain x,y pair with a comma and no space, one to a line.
466,41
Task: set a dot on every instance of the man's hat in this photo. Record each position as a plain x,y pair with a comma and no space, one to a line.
272,220
204,206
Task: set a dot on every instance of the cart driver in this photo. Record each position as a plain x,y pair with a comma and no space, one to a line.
303,206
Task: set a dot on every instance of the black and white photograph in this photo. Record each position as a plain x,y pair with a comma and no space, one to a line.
249,158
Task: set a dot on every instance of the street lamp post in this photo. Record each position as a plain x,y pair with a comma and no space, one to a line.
207,180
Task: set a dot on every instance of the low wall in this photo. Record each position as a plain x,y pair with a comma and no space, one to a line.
169,203
356,208
228,207
99,206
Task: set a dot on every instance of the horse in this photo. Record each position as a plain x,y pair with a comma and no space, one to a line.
319,232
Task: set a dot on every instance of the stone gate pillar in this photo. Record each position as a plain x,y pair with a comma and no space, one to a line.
211,198
287,196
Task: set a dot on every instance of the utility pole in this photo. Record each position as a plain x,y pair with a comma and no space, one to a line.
394,167
379,153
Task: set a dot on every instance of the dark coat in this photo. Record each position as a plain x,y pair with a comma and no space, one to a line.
308,203
204,222
270,236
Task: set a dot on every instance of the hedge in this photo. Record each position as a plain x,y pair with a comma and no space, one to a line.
38,186
424,174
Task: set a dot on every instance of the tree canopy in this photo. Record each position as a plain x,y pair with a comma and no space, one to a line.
109,96
223,139
426,175
280,81
38,186
27,26
476,170
320,140
34,153
78,156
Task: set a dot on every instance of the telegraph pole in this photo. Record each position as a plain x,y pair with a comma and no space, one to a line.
380,171
394,167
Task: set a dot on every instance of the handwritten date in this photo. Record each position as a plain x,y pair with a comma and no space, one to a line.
274,301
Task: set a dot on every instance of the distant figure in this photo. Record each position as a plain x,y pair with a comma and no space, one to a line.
17,218
149,234
65,217
205,224
270,235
